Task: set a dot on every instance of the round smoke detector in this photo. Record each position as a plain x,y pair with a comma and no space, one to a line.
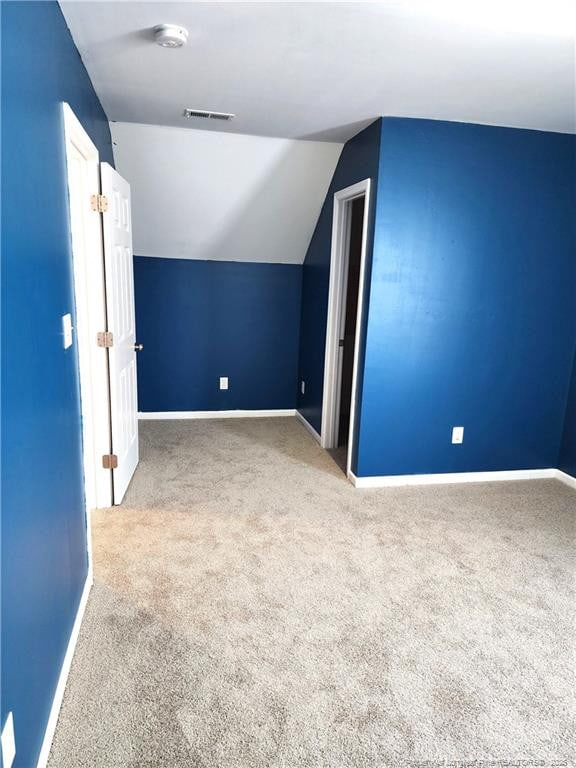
170,35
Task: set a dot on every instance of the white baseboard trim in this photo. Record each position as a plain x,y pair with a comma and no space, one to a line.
565,478
309,427
64,672
388,481
237,414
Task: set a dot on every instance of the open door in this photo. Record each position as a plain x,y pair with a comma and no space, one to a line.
118,260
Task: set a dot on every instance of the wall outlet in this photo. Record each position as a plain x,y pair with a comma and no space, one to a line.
8,742
303,387
223,382
67,330
457,435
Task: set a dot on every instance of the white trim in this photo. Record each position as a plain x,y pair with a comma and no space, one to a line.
338,277
565,478
308,426
86,250
64,672
8,741
389,481
238,414
83,175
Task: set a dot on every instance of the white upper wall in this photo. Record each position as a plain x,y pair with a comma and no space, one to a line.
218,196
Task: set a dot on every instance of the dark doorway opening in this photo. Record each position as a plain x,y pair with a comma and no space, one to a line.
348,327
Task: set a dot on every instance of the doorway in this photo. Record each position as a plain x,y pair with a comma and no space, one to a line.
83,171
101,240
345,312
349,317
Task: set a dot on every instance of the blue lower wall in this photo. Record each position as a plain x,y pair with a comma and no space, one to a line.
471,314
199,320
358,161
567,461
44,561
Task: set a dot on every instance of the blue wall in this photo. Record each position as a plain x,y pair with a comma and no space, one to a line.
471,316
43,522
199,320
567,461
358,161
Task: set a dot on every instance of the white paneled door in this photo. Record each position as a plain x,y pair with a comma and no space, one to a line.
118,261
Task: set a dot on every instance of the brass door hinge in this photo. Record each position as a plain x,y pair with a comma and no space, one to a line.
99,203
105,339
110,461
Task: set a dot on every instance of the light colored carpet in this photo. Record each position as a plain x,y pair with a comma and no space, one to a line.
253,610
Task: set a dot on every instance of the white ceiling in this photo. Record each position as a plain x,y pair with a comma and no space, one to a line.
325,70
222,197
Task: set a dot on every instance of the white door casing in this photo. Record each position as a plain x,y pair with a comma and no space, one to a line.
335,320
83,170
118,259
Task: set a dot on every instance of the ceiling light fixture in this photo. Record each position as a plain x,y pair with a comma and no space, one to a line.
170,35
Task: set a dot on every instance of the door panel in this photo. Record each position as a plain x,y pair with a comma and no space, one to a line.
121,322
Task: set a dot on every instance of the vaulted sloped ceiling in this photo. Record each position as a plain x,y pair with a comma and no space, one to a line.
319,71
209,195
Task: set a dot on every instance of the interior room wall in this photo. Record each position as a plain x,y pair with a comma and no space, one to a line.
211,195
238,212
358,161
200,320
470,319
44,556
567,462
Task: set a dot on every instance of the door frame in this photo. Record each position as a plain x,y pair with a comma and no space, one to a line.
336,309
83,175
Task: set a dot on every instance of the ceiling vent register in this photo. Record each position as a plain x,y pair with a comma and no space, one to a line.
207,115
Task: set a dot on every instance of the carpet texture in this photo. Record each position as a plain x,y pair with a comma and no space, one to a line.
251,609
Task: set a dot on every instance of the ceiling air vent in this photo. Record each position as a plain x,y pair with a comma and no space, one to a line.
208,115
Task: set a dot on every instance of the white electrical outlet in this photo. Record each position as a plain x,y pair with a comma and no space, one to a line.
457,435
223,382
67,330
8,742
303,387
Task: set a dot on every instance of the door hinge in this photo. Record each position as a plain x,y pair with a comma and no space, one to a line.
105,339
99,203
110,461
